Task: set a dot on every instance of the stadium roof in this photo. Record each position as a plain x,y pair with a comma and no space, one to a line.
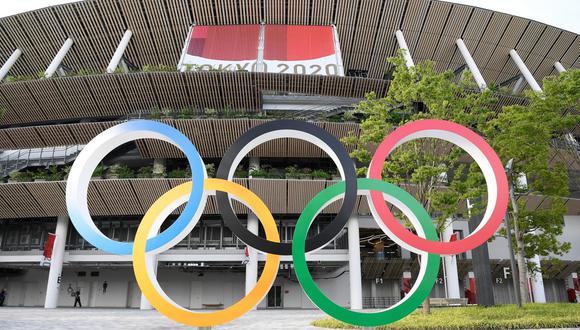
366,29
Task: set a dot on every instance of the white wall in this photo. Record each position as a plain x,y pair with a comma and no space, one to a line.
187,289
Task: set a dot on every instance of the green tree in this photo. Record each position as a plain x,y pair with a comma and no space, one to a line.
434,171
524,133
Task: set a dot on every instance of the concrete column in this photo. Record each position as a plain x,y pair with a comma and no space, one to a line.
253,227
471,64
538,283
56,62
159,168
525,71
55,272
118,55
559,67
9,63
450,264
403,45
144,304
354,263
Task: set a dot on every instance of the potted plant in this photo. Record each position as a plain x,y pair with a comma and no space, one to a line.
292,172
320,175
145,172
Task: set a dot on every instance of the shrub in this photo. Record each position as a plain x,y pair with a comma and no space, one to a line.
99,171
177,174
531,316
320,174
292,172
145,172
21,176
125,172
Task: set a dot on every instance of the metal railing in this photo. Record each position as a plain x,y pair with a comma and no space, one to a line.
379,302
14,160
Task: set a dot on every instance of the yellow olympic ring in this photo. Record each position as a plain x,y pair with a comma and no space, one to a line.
151,289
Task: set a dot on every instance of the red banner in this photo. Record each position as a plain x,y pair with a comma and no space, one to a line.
49,245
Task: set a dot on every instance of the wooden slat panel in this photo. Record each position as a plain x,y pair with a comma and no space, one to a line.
24,137
21,201
119,197
49,196
55,135
49,99
272,192
301,193
77,96
19,96
108,95
145,47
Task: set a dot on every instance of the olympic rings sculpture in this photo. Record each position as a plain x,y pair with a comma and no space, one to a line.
149,242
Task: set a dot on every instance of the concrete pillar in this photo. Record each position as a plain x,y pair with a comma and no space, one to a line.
56,62
471,64
559,67
354,263
118,55
403,45
450,264
253,227
525,71
538,283
55,272
9,63
144,304
159,168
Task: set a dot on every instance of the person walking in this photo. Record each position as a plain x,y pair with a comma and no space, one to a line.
78,298
2,297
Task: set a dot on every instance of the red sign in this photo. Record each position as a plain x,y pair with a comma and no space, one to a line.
295,49
49,245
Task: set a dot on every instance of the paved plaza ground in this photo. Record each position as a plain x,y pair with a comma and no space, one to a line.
109,319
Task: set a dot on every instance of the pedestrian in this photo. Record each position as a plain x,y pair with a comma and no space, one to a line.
105,286
78,298
3,294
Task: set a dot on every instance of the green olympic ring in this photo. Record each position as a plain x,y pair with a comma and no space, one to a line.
425,280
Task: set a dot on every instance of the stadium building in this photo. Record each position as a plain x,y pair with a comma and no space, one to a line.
213,69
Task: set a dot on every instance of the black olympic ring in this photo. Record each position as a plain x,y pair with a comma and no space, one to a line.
281,129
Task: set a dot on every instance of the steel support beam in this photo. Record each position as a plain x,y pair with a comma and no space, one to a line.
403,45
57,61
118,55
559,67
55,272
471,64
9,63
354,264
525,71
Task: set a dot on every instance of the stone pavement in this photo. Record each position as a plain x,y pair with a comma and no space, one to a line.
109,319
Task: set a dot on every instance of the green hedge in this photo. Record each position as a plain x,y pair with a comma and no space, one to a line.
532,316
